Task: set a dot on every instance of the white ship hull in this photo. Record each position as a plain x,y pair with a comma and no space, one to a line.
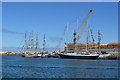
31,55
103,56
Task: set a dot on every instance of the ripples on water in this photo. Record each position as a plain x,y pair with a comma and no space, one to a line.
18,67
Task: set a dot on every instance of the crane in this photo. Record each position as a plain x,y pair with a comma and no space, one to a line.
84,25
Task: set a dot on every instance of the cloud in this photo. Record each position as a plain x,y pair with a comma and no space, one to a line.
9,31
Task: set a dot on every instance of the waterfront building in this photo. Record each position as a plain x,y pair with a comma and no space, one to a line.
80,46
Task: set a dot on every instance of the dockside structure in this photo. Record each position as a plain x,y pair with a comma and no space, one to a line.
80,46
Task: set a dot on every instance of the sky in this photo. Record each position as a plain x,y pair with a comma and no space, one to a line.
50,18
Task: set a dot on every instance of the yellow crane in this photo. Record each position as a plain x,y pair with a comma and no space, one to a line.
77,37
84,25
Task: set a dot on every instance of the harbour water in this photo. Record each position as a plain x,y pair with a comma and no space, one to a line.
19,67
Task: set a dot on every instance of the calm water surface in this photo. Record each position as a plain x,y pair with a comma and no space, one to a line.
18,67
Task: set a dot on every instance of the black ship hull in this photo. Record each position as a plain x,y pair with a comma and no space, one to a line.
77,57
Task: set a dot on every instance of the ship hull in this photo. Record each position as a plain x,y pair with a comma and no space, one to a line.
103,56
31,56
77,57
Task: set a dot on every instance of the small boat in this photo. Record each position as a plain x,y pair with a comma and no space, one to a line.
104,55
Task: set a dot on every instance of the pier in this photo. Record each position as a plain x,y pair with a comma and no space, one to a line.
113,56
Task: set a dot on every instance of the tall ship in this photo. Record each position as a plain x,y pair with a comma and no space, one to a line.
44,53
83,54
103,55
31,46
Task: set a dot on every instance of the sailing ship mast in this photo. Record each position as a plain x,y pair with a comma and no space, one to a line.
75,33
65,33
74,41
66,39
87,39
29,43
93,44
44,43
37,42
32,41
25,43
99,40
